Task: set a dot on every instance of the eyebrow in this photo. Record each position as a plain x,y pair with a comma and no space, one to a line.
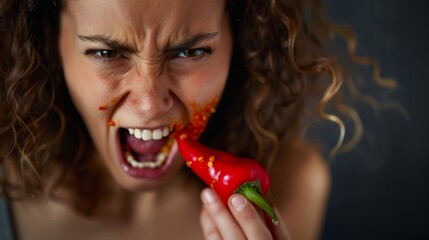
117,45
189,43
114,44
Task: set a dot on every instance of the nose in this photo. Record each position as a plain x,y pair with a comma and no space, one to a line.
150,96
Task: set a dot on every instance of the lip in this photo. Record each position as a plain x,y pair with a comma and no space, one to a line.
145,173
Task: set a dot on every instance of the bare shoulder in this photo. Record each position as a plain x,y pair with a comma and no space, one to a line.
301,168
300,186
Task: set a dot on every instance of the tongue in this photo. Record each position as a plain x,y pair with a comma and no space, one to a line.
145,147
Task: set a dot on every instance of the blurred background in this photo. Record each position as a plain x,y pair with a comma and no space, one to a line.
381,189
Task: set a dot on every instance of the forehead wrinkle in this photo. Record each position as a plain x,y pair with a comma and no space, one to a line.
143,28
153,36
173,27
148,26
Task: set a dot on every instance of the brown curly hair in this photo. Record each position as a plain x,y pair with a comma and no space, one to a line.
31,123
286,62
279,66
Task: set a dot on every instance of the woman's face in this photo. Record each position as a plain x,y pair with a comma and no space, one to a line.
132,68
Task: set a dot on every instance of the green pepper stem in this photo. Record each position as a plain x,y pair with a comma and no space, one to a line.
252,191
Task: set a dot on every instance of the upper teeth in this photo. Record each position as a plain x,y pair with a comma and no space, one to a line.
146,134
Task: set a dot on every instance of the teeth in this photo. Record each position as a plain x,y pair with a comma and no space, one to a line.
138,133
165,132
157,134
136,164
160,158
147,135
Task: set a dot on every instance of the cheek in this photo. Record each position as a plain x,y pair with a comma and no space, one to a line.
88,92
83,88
87,89
77,74
204,86
208,83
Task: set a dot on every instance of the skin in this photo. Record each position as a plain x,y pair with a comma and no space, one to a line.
151,87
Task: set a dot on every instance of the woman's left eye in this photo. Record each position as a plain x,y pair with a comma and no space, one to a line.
194,52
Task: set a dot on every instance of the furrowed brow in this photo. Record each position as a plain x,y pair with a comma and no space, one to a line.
117,45
189,43
114,44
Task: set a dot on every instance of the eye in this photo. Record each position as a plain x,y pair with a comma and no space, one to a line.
107,54
104,54
110,60
194,52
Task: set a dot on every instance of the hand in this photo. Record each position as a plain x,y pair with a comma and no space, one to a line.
241,221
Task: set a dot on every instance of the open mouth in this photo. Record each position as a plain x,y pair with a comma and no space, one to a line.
146,152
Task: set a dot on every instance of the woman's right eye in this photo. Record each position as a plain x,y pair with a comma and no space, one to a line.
110,61
108,54
104,54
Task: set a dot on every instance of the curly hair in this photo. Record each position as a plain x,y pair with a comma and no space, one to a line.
31,123
279,65
286,63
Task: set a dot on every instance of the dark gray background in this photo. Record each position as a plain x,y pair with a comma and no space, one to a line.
385,194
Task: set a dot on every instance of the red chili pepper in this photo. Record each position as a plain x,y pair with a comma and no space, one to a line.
226,173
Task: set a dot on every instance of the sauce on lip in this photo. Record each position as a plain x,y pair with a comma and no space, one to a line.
111,123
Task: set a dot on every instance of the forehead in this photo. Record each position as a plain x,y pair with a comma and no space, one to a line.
145,17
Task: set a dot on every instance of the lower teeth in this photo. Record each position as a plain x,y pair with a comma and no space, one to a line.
160,158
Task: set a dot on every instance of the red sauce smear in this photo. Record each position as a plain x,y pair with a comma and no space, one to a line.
111,123
108,104
200,118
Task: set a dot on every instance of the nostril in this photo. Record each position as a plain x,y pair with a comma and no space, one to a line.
168,100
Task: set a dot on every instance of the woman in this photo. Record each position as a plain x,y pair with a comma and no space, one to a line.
91,88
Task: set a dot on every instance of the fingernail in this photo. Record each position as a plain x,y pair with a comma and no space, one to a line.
238,202
209,196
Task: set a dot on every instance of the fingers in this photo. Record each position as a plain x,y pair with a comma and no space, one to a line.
220,216
240,221
209,227
248,218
